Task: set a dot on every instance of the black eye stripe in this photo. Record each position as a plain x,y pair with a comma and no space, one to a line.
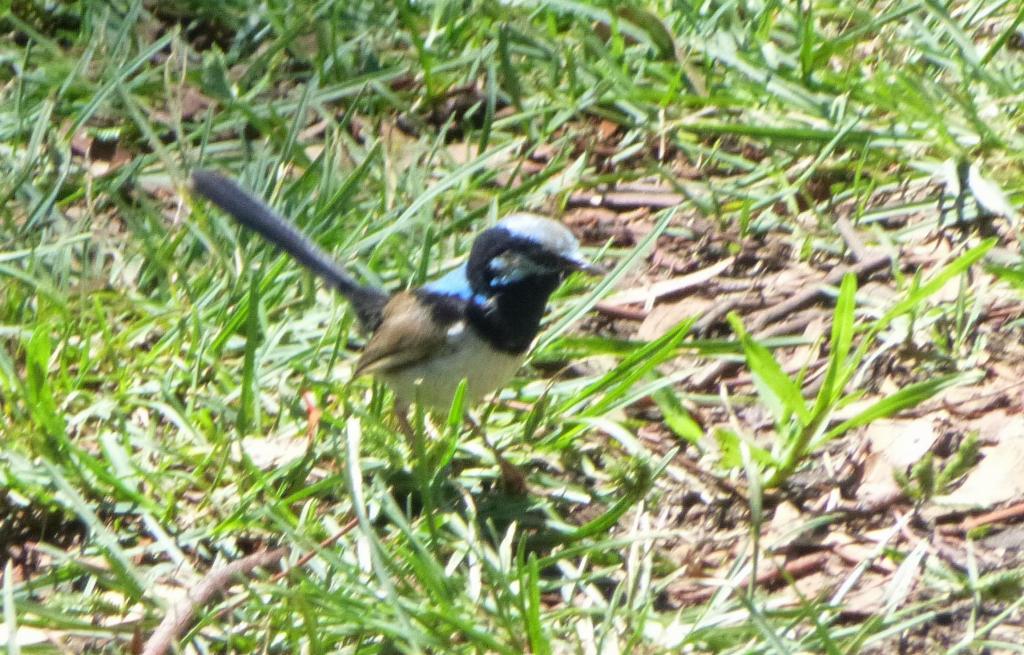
541,260
485,268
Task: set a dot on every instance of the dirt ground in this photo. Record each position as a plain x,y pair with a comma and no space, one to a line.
970,526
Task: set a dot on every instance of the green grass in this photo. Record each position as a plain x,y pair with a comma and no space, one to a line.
153,359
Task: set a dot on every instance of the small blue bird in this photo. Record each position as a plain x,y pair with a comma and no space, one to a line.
476,323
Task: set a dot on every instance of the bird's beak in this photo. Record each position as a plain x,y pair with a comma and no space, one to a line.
578,263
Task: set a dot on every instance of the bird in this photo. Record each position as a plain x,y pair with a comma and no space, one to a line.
476,323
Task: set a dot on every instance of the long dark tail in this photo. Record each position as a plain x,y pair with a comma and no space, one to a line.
368,302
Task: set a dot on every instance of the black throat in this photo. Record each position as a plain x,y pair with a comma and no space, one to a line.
507,305
510,317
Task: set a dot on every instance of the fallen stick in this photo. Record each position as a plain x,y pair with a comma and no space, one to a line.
797,568
1004,514
181,615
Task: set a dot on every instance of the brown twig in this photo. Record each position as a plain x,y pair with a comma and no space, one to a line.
329,541
810,296
716,315
797,568
852,238
1006,311
619,311
789,307
181,615
799,322
1004,514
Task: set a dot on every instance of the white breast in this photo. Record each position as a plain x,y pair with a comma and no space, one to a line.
433,382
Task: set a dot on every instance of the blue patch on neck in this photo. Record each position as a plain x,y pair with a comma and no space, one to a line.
452,283
455,283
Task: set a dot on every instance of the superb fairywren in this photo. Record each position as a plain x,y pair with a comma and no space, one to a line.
476,323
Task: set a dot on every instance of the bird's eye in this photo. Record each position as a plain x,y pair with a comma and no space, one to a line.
510,267
505,262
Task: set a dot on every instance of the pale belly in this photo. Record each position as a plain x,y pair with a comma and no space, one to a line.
433,382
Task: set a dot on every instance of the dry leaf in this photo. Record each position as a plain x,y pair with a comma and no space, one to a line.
997,478
781,530
666,316
895,444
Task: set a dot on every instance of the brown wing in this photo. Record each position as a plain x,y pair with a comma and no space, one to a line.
408,333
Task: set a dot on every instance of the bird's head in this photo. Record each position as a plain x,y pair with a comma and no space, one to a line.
523,249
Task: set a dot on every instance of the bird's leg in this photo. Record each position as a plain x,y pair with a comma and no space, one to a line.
513,480
415,431
402,416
